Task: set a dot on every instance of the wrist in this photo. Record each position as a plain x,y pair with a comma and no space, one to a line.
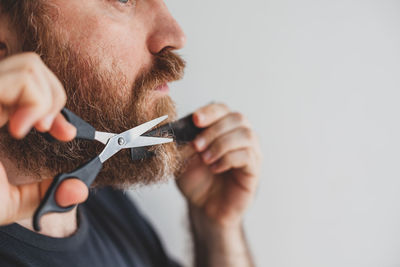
218,244
208,225
216,236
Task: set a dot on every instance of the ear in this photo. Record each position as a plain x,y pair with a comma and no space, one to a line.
3,33
8,37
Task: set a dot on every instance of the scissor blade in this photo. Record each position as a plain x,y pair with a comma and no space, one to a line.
127,138
142,141
141,129
103,137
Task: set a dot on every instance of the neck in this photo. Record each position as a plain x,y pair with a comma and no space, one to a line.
56,225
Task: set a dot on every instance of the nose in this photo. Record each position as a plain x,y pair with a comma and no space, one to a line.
165,32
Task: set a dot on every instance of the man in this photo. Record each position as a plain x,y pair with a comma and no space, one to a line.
110,61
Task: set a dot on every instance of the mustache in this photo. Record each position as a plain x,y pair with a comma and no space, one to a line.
167,67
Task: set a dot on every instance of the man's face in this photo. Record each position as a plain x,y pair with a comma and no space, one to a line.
114,58
122,33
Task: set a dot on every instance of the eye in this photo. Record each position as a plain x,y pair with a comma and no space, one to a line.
123,3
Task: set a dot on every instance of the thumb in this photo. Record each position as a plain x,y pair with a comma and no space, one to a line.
71,192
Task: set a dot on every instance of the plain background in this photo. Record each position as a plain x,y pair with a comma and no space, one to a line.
320,82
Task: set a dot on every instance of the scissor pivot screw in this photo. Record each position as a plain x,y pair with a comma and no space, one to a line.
121,141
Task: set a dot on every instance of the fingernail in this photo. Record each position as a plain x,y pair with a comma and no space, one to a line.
200,143
200,117
207,155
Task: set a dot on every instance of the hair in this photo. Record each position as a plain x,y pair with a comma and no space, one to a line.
23,16
7,5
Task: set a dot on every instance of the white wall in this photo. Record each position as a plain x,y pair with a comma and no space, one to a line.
320,81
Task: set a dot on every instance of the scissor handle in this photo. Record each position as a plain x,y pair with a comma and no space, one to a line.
86,173
83,129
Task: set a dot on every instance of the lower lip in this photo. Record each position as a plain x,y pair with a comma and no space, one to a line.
163,88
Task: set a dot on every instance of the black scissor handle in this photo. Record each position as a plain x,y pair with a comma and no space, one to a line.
83,129
86,173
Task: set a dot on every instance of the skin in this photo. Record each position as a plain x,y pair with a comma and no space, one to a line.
223,171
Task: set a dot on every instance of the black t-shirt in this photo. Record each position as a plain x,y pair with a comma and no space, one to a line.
111,232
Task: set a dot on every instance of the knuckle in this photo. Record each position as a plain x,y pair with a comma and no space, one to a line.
222,106
239,117
248,133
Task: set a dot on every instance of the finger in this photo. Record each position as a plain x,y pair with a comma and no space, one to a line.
9,101
22,120
71,192
10,79
62,129
43,123
59,99
29,92
207,115
30,106
224,125
233,140
19,61
236,159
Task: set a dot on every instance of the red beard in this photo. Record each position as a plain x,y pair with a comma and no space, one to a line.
105,100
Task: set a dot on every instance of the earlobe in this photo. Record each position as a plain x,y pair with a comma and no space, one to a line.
3,50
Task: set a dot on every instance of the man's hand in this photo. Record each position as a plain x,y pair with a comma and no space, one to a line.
32,96
222,176
219,182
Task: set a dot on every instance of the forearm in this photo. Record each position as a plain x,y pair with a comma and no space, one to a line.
217,245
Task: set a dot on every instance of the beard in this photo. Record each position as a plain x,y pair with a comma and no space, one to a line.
102,97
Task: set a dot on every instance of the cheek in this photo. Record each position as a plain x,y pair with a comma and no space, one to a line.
113,44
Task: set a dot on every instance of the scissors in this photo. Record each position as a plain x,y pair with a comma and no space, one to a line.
88,172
